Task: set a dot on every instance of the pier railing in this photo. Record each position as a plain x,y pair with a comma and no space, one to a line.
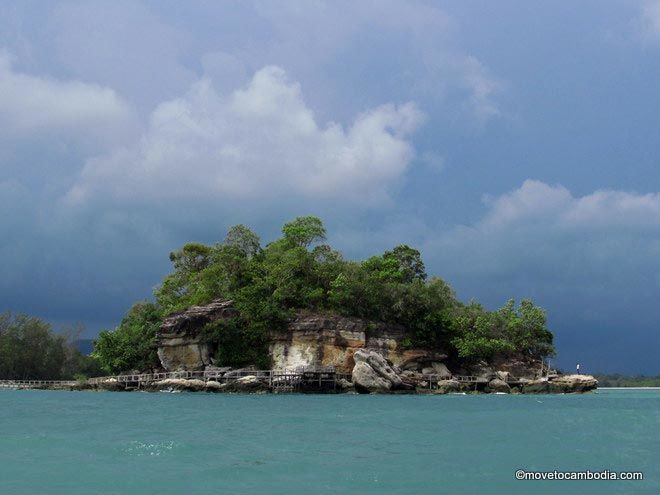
36,383
276,379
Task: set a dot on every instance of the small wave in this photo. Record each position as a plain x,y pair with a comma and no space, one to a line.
141,449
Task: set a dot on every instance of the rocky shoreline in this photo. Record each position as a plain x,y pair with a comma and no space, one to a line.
251,384
336,354
371,374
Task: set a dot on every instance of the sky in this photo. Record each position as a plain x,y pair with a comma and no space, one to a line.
515,143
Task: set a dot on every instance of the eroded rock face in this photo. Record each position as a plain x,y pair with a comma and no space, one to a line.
315,340
180,346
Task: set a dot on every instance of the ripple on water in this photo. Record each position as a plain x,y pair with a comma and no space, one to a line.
143,449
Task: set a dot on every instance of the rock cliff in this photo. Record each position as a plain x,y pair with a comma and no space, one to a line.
311,340
179,340
317,340
376,355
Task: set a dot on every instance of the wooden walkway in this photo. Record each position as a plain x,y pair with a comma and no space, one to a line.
36,383
277,380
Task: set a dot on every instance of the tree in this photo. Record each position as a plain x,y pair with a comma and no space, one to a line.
192,258
304,231
409,262
132,345
243,239
29,349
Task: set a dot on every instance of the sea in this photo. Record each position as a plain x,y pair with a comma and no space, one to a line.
66,443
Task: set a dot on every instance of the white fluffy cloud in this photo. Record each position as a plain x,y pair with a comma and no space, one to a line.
555,207
29,103
261,140
582,248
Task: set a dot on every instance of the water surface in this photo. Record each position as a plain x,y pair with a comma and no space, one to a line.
156,443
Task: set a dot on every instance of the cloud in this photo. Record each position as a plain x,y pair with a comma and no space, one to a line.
29,103
592,260
544,232
410,47
649,20
555,207
260,141
134,50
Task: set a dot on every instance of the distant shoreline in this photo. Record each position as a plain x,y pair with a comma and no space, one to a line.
628,388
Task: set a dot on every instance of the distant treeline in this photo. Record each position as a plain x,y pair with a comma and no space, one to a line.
618,380
31,350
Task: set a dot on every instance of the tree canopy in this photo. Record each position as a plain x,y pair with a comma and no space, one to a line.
298,271
30,350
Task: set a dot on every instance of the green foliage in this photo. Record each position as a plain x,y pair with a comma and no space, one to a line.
243,239
238,343
481,334
29,349
295,272
303,231
409,264
132,345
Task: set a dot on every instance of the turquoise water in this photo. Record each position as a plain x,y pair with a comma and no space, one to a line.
138,443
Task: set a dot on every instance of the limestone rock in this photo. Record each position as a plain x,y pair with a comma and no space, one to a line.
366,379
379,364
441,370
249,383
180,346
180,384
111,384
503,375
448,386
497,385
314,340
538,386
483,372
345,385
573,383
213,386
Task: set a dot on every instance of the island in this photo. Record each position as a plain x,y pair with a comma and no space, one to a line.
295,315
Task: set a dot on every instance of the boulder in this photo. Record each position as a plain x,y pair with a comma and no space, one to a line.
213,386
505,376
483,372
180,385
441,370
111,384
497,385
366,379
428,371
249,383
538,386
379,364
345,385
573,383
448,386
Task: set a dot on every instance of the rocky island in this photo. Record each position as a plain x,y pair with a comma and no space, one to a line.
238,317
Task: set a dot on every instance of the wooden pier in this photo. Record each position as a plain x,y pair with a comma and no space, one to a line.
278,381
